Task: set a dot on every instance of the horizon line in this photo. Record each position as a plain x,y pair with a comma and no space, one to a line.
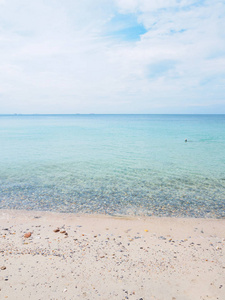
75,114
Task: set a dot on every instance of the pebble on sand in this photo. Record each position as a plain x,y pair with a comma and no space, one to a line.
27,235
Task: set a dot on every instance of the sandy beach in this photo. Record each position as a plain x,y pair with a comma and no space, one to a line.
66,256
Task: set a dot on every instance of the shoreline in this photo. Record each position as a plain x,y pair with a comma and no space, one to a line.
110,257
101,215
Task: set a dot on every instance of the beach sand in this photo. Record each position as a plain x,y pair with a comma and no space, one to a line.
103,257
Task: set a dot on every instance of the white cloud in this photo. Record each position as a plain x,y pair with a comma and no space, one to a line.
58,57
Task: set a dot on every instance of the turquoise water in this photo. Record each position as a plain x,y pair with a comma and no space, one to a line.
114,164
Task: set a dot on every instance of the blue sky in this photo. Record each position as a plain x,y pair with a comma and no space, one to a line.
112,56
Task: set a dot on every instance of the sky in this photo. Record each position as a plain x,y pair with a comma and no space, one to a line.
112,56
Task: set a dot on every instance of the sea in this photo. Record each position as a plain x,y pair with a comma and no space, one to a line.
122,165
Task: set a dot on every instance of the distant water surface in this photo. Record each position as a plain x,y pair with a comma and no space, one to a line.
114,164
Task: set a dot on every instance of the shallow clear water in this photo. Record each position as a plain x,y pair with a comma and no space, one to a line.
114,164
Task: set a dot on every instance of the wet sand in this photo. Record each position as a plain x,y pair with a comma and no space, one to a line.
100,257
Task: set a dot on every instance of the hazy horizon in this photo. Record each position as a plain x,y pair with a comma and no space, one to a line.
74,114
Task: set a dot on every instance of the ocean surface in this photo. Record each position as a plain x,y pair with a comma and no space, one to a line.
114,164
